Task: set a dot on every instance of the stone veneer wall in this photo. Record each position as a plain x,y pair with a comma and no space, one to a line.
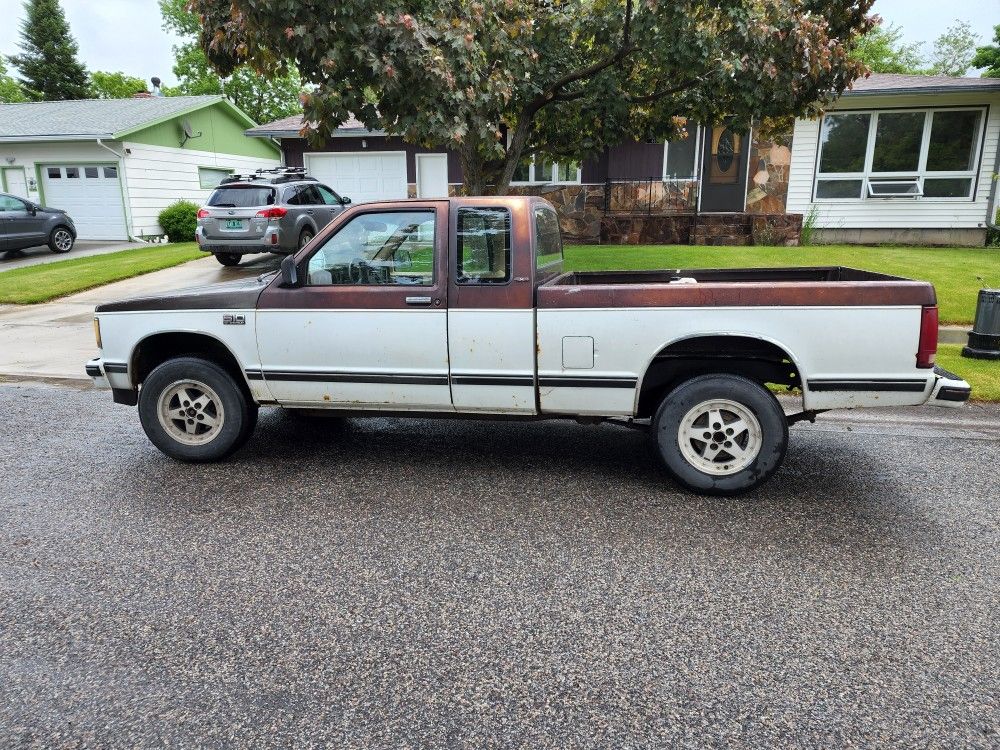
712,229
770,163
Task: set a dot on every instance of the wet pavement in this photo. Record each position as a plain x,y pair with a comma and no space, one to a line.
444,583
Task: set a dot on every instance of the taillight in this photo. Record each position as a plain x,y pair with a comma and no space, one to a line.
203,213
272,213
927,348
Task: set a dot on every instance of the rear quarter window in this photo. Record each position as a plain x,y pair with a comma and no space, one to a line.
548,240
242,196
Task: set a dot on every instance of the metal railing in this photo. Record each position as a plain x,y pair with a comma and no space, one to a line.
650,196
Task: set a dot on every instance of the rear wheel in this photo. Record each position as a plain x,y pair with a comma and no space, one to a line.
305,238
229,259
61,240
721,434
193,410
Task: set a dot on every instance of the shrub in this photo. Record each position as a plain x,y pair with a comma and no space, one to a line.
993,235
809,227
179,221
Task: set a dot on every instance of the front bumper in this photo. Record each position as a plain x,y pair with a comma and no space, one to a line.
949,390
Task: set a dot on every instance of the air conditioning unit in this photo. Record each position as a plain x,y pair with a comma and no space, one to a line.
896,188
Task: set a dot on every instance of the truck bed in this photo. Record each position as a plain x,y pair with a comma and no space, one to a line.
818,286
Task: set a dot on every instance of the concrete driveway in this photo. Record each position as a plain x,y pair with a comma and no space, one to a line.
35,255
55,340
472,584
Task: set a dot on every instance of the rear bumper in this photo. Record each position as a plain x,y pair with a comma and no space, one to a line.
949,390
244,247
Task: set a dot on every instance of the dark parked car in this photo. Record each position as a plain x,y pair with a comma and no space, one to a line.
26,224
271,211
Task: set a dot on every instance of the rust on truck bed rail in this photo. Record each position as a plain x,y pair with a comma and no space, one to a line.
832,286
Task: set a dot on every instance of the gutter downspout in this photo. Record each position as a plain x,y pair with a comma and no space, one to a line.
123,182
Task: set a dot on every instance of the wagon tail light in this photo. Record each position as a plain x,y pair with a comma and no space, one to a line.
272,213
203,213
927,348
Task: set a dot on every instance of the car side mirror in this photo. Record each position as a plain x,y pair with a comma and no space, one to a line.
32,208
289,272
345,201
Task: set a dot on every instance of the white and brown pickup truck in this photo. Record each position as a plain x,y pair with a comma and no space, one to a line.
461,307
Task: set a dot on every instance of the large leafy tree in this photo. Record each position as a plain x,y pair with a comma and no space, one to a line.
954,51
114,85
48,61
498,80
883,50
263,98
988,57
10,90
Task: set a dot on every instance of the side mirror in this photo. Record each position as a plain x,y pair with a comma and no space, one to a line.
289,272
32,208
345,201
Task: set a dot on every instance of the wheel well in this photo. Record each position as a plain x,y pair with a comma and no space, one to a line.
755,359
157,349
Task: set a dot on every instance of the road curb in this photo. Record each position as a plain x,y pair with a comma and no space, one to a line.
81,383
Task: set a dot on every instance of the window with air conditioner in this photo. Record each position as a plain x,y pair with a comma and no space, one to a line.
914,154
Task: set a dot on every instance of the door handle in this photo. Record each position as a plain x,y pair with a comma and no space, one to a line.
425,301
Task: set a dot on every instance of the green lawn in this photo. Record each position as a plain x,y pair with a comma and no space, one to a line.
48,281
953,271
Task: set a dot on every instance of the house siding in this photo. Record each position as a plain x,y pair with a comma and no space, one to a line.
220,131
894,214
156,176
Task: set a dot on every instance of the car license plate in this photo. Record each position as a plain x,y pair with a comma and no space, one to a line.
234,225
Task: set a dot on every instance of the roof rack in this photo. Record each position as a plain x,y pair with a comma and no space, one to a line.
280,175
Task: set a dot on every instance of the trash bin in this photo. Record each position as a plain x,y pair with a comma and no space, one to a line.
984,340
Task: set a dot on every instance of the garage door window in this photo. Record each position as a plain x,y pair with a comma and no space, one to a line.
378,248
54,173
91,173
72,173
111,173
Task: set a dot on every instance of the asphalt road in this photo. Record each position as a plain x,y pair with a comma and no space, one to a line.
453,584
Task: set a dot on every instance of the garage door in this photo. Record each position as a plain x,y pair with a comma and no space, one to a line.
361,177
91,195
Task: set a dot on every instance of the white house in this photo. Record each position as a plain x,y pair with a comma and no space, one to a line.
115,164
901,159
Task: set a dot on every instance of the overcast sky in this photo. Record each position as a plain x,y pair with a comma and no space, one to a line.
126,34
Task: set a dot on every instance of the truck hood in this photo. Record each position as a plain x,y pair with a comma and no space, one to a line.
241,294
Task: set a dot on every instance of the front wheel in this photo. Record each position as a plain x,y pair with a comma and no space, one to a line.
229,259
193,410
721,434
61,240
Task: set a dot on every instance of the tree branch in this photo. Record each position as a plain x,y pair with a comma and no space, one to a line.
691,82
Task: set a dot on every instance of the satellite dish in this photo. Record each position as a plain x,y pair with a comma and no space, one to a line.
188,132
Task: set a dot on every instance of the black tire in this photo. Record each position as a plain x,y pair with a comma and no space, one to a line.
61,240
229,259
237,415
305,238
689,408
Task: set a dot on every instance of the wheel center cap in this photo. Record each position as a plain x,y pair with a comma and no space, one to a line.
191,411
718,437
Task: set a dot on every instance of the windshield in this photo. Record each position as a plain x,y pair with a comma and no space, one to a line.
242,196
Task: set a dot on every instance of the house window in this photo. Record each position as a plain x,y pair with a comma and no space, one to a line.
899,154
543,170
680,158
211,177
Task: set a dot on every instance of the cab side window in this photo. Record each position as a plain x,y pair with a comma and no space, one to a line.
377,248
484,252
548,239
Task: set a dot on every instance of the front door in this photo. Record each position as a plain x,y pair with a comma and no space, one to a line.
724,170
368,328
16,184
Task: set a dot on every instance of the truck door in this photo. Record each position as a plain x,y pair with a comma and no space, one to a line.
491,316
368,327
